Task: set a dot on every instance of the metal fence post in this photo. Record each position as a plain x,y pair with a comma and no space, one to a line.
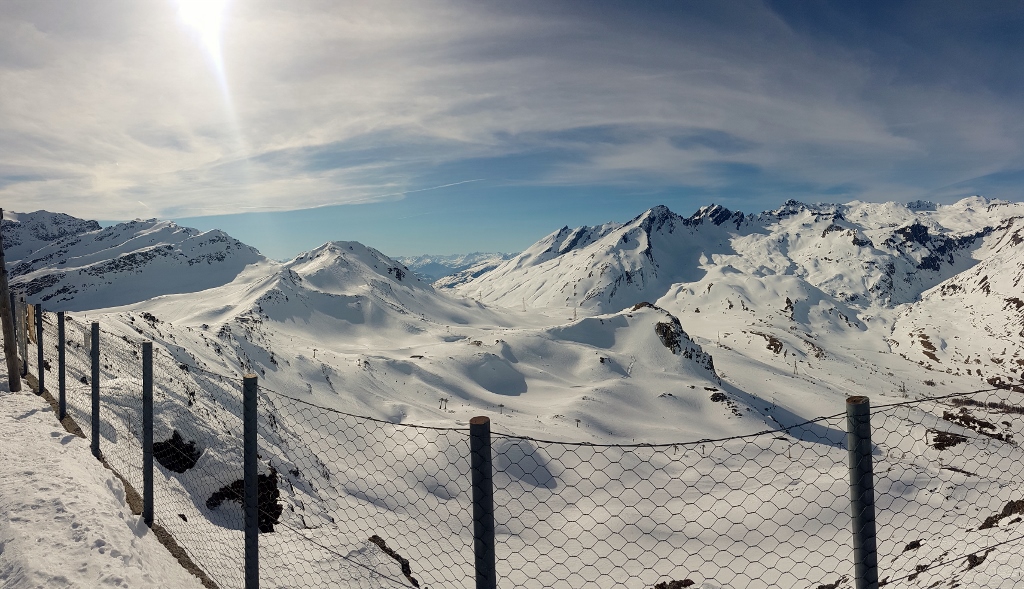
483,502
862,492
95,389
147,433
39,349
23,334
62,402
10,330
251,476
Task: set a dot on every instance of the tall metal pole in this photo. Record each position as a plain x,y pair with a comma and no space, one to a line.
39,349
95,389
21,308
7,318
62,402
250,467
483,502
862,492
147,433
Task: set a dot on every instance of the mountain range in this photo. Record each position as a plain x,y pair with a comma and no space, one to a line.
434,267
662,329
934,286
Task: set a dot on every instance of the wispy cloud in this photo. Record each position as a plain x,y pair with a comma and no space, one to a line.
116,105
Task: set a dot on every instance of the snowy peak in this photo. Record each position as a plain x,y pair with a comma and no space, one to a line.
348,285
138,239
922,205
344,267
795,210
714,214
127,263
865,254
606,267
24,233
560,243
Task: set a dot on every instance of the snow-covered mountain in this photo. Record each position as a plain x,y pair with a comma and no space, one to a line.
69,264
434,267
800,291
368,317
24,233
864,254
662,329
973,323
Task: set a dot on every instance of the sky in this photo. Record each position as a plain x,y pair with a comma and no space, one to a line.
456,126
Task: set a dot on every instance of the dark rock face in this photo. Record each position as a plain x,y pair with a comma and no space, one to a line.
268,494
717,215
939,248
916,233
671,334
176,454
402,561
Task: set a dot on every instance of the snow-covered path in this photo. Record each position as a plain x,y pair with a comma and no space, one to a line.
64,520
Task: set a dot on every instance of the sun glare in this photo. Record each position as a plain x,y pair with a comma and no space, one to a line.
204,16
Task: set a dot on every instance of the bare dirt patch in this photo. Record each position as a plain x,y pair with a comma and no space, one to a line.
928,347
942,440
985,428
774,344
1013,507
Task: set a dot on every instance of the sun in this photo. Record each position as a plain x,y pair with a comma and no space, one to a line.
205,17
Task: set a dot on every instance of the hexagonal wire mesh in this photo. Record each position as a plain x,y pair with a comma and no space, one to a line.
768,510
949,490
363,502
77,368
198,463
121,385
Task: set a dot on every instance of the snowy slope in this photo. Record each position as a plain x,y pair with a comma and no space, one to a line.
973,323
126,263
367,317
464,276
64,520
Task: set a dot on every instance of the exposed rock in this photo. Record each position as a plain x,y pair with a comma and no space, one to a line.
268,495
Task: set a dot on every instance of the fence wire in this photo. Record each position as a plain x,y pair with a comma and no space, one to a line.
949,491
368,503
761,511
198,456
352,501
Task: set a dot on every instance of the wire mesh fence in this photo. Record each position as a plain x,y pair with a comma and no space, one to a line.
950,491
198,454
367,502
759,511
352,501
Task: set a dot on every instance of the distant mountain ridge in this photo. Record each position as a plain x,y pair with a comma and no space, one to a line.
24,233
72,264
865,254
433,267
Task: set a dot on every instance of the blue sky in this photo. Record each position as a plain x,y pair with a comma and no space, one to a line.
451,126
